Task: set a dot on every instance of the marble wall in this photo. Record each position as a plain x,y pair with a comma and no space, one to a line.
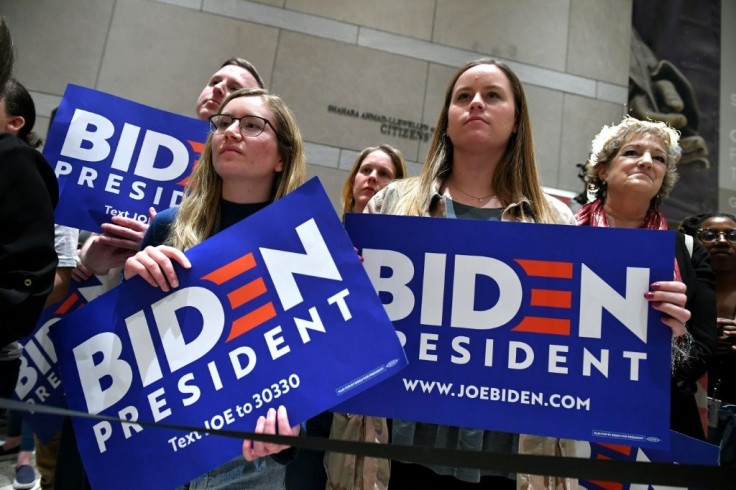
332,58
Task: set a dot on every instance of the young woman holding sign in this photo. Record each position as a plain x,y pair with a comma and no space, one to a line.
631,169
480,165
253,157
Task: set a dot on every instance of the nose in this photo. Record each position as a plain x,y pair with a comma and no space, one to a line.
220,88
646,159
477,101
233,131
721,238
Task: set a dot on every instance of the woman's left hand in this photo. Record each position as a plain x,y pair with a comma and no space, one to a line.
669,297
267,425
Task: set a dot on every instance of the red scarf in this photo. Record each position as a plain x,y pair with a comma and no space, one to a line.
594,214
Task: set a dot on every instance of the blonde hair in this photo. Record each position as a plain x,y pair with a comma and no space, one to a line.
348,199
199,214
516,176
608,142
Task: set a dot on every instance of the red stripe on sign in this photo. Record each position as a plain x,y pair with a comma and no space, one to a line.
228,271
251,320
64,307
246,293
537,324
544,268
551,298
625,450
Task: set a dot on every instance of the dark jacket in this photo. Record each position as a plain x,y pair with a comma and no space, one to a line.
700,281
28,195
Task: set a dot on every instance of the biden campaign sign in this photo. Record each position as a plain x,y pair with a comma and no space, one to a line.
39,382
275,310
540,329
683,450
116,157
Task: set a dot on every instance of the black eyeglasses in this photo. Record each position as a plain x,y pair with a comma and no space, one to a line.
250,126
709,235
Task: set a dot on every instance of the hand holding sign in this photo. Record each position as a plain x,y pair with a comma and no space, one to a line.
669,298
125,233
120,239
154,264
267,425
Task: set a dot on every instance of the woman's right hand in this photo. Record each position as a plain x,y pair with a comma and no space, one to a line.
154,264
726,336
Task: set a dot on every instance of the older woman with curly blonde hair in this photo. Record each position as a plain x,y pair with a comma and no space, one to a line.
630,171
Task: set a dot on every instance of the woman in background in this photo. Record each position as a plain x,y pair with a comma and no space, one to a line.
717,233
632,168
374,169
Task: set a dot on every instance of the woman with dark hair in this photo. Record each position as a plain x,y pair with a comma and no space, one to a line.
481,166
631,169
717,233
253,156
18,113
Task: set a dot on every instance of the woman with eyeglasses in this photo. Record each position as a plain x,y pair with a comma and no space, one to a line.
717,233
631,169
252,157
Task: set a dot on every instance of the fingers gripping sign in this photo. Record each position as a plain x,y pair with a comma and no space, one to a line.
154,264
268,425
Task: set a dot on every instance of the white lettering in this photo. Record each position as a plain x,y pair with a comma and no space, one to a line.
464,314
631,309
106,347
316,262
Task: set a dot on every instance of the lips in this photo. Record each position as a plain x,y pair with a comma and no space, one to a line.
230,149
639,172
475,118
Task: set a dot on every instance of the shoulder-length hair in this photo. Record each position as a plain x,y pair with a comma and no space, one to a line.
515,178
608,142
199,213
348,200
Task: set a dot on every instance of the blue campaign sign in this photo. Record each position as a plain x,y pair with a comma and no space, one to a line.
683,450
537,329
39,382
276,310
113,156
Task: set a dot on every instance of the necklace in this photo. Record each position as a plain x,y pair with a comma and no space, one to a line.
479,199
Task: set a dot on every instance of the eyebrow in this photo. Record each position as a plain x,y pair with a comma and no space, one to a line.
485,87
639,145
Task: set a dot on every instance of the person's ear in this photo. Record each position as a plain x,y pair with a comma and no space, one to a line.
602,172
14,124
279,166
